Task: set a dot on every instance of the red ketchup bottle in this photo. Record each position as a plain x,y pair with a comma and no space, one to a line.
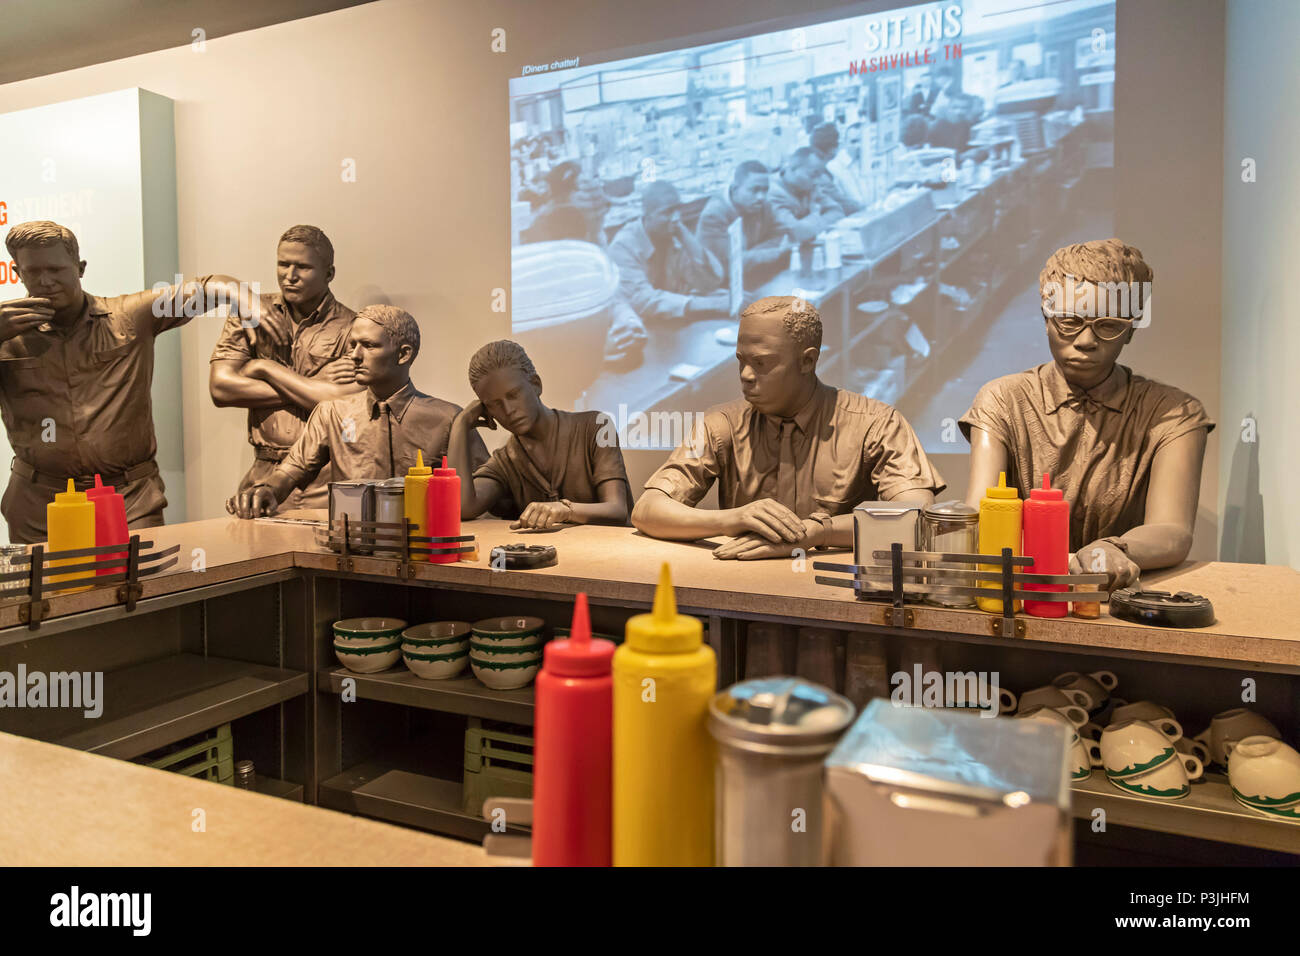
110,522
444,511
1047,541
573,750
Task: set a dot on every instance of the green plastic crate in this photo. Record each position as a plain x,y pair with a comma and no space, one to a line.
209,756
498,763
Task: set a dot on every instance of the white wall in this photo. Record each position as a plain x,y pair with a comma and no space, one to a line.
1261,314
413,93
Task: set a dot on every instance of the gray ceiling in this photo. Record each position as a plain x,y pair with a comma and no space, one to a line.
48,36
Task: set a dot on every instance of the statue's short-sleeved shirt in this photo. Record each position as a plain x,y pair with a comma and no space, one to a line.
847,449
584,455
1097,445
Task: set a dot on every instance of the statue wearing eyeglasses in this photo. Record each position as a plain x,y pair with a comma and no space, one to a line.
1126,451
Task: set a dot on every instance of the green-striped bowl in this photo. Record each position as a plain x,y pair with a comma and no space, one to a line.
506,674
507,656
434,663
509,630
370,659
437,634
491,649
367,631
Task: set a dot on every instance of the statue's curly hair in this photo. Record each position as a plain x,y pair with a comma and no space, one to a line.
802,322
1099,261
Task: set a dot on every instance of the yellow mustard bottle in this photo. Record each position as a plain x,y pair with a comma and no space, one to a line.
415,498
1000,512
664,677
70,520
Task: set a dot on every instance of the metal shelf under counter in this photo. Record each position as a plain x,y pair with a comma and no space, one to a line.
149,705
378,789
1209,812
460,695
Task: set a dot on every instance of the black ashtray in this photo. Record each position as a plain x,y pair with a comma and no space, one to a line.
521,557
1161,608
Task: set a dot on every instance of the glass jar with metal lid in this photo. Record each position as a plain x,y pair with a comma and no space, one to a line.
951,527
390,508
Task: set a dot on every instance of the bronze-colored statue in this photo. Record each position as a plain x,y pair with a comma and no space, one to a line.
556,468
792,458
1126,451
294,359
374,433
75,377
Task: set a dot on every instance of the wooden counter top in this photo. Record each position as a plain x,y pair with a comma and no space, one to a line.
62,807
1254,603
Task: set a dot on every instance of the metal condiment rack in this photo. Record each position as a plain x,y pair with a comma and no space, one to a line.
1005,565
135,555
394,539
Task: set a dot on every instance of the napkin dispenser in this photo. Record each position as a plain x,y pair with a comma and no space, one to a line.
877,525
913,786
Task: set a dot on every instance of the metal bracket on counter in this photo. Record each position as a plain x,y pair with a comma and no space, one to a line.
387,540
36,609
345,559
1008,625
896,614
42,575
917,574
405,569
131,590
897,617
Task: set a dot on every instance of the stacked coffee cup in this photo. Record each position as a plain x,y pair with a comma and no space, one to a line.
1263,771
1140,756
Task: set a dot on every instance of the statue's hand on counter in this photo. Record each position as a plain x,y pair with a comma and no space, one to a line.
543,515
257,502
1104,557
769,519
752,547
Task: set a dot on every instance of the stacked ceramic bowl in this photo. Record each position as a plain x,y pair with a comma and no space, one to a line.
1265,775
505,653
437,650
367,645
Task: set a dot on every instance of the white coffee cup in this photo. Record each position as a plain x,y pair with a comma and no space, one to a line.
1130,748
1098,685
1153,713
1170,780
1091,731
1186,745
1072,703
1236,724
1007,701
1084,753
1265,775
